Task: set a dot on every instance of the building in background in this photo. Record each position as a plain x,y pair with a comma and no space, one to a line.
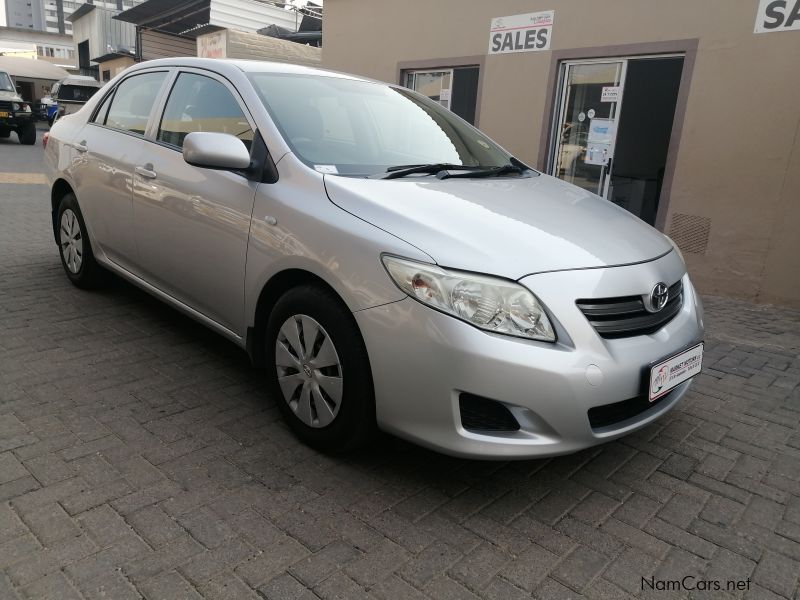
684,116
25,14
33,79
165,30
51,15
99,38
53,48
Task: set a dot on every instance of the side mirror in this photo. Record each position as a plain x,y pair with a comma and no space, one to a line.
215,151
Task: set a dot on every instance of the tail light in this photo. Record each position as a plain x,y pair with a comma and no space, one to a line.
45,137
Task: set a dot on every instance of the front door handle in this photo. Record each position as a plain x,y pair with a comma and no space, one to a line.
146,171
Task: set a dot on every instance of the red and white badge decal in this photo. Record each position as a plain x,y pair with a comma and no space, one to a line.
674,371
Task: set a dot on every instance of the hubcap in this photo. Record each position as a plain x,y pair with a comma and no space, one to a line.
71,241
309,371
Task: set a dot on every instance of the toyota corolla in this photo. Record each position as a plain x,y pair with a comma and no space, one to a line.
387,264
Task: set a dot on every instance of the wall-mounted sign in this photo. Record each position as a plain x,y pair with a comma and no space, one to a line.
521,33
212,45
777,15
591,113
610,93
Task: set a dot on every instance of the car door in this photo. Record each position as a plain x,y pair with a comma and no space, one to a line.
107,148
192,224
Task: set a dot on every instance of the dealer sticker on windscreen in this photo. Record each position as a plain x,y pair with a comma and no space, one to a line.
674,371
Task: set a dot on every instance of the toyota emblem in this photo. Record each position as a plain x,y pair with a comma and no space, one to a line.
658,297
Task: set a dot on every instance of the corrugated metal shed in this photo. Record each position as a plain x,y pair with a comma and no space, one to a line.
194,17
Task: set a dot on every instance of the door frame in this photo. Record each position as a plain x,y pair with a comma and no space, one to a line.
554,143
686,48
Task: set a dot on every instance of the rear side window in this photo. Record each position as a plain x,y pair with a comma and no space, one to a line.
199,103
133,101
102,112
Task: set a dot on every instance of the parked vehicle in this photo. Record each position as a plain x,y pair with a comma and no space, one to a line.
15,113
388,264
70,94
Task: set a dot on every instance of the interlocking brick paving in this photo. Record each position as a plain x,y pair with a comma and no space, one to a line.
141,457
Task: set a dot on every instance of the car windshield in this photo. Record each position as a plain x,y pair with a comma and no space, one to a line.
76,93
5,83
352,127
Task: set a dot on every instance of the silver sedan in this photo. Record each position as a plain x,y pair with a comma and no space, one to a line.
387,264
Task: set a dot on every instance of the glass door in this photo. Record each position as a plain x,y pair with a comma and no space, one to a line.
586,123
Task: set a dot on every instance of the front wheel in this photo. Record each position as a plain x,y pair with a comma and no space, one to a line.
73,245
318,370
27,134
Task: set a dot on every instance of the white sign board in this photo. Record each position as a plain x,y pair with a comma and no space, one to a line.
521,33
610,93
212,45
777,15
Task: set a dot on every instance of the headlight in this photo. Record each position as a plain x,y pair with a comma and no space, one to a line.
17,106
489,303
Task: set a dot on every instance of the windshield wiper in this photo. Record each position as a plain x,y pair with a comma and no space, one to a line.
403,170
488,172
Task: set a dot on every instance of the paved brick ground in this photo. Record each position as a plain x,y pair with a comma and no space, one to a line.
139,456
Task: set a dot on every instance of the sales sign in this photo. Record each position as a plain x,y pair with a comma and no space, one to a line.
777,15
521,33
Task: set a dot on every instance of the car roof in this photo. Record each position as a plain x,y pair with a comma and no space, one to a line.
84,80
221,65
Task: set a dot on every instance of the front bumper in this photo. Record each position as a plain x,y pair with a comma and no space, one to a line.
14,120
422,360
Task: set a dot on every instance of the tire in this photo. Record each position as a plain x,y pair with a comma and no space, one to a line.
27,134
74,246
50,121
339,415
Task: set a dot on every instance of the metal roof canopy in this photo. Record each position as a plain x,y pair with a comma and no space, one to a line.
188,19
29,68
80,11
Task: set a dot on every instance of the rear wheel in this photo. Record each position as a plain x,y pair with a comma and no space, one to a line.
318,370
73,244
27,134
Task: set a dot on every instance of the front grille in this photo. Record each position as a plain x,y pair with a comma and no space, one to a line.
483,414
626,316
4,105
611,414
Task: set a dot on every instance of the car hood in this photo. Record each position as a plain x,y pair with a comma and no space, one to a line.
509,227
10,96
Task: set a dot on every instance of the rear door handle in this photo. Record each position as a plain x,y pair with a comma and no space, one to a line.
80,146
146,171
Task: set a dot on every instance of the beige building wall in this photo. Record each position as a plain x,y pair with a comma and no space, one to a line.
115,66
228,43
738,160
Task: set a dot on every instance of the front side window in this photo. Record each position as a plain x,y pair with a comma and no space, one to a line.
133,101
363,128
199,103
5,82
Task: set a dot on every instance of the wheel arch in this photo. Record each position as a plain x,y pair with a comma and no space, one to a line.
273,289
61,188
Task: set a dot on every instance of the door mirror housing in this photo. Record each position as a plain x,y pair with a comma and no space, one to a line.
215,151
